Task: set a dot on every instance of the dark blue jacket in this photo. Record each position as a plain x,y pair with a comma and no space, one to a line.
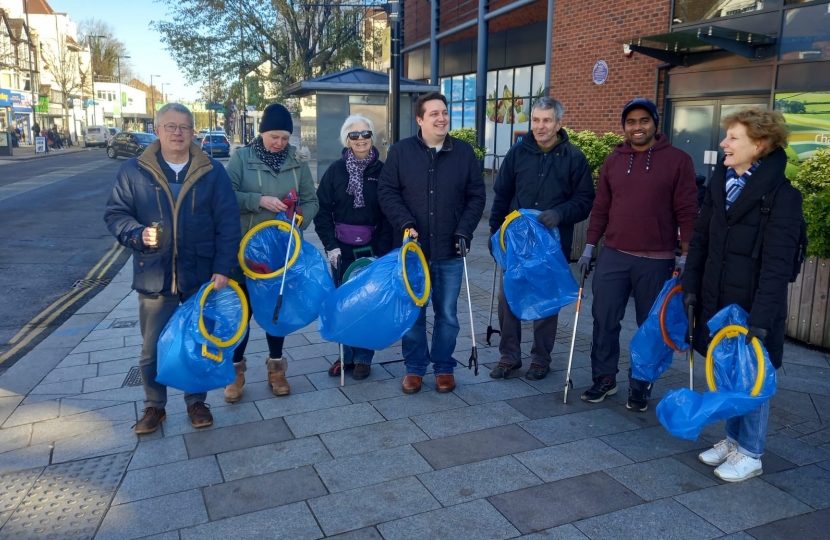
204,222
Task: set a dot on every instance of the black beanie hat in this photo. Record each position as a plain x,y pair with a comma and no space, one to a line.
276,117
640,103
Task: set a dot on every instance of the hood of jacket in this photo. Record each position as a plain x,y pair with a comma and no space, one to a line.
530,144
199,165
661,142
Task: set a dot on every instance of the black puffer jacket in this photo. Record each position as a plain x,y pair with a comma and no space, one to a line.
559,180
720,269
337,206
439,194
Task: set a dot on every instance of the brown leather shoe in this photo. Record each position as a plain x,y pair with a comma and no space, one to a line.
276,376
411,384
200,416
444,383
233,392
151,420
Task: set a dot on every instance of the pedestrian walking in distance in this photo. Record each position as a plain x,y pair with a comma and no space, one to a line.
544,172
173,254
646,190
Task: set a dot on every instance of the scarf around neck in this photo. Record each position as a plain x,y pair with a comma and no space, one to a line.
274,160
356,168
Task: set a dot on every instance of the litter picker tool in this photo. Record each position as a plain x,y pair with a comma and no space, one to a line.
285,268
690,312
462,246
338,281
490,330
568,382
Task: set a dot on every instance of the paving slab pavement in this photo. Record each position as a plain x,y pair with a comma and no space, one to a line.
493,459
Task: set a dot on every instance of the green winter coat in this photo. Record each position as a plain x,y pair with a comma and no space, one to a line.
252,178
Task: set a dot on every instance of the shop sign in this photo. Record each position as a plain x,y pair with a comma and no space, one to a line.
808,120
600,72
21,102
5,98
40,145
42,105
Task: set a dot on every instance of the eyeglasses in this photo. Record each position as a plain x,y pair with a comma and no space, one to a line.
355,135
171,128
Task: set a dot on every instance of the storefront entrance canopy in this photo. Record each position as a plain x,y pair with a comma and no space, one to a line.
675,47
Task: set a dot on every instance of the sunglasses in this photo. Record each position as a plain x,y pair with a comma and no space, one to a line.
355,135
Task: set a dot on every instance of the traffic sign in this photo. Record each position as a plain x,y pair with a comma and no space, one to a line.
214,107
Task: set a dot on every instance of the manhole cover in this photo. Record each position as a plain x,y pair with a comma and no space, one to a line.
90,283
123,324
133,377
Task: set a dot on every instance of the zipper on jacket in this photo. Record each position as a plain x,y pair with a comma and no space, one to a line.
158,200
193,201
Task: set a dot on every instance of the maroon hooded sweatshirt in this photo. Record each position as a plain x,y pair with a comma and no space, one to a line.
642,197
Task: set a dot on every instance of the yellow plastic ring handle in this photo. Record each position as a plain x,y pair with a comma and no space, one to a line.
282,225
412,246
243,323
507,221
728,332
217,357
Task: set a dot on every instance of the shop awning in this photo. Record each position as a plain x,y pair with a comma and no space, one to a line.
675,47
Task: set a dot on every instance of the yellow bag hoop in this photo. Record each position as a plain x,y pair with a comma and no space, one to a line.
733,331
282,225
507,221
413,246
243,324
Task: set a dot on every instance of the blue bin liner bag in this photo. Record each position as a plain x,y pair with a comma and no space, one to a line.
684,413
538,281
180,361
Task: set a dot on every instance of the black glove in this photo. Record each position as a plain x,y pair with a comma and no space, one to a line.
689,299
755,332
549,218
490,244
458,239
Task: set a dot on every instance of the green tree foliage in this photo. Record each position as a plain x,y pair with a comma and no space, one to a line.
813,180
468,135
596,148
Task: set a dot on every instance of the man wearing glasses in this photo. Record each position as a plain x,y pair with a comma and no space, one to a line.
175,208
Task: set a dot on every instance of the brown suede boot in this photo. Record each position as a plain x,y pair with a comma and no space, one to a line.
233,392
276,376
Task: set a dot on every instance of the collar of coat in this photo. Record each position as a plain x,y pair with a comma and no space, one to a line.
530,141
447,142
769,173
199,165
293,160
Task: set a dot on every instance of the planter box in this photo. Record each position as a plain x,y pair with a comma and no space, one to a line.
808,316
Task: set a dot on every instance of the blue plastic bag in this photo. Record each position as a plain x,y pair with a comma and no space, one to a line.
374,309
187,358
538,281
684,413
650,355
307,282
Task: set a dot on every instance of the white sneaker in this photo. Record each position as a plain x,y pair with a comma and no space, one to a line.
739,467
717,454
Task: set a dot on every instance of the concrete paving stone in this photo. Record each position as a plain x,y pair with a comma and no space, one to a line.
403,405
314,337
26,373
573,499
8,405
476,394
15,438
666,518
660,478
153,516
127,393
555,381
571,459
310,365
108,355
810,484
370,468
369,533
650,443
168,478
118,438
258,492
74,360
738,506
116,367
581,425
158,452
25,458
313,351
796,451
552,404
738,536
289,522
272,458
477,480
376,390
470,521
476,446
563,532
96,335
71,406
172,535
36,412
812,526
277,407
217,441
79,424
133,340
362,507
99,345
321,381
398,369
108,382
241,413
384,435
71,374
316,422
456,421
794,402
645,419
63,388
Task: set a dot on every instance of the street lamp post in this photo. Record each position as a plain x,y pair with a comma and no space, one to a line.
121,99
152,91
163,95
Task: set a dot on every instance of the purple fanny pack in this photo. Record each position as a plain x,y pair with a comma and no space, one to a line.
354,235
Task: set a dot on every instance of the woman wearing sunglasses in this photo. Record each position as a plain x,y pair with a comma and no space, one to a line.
350,223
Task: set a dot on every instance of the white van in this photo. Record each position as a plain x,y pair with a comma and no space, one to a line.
96,136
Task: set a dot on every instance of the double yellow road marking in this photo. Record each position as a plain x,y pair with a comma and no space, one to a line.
42,320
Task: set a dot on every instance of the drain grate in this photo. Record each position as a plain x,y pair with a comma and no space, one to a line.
123,323
133,377
90,283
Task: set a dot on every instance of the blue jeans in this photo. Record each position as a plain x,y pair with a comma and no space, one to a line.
357,355
446,285
750,431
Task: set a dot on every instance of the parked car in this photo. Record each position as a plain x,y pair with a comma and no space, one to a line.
216,143
129,143
96,136
114,131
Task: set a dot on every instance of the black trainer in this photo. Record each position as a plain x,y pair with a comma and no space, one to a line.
361,371
503,369
637,401
334,370
603,387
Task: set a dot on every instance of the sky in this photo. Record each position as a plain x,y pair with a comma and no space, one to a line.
131,21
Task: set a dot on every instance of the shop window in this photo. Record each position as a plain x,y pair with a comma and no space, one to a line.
806,33
699,10
808,120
